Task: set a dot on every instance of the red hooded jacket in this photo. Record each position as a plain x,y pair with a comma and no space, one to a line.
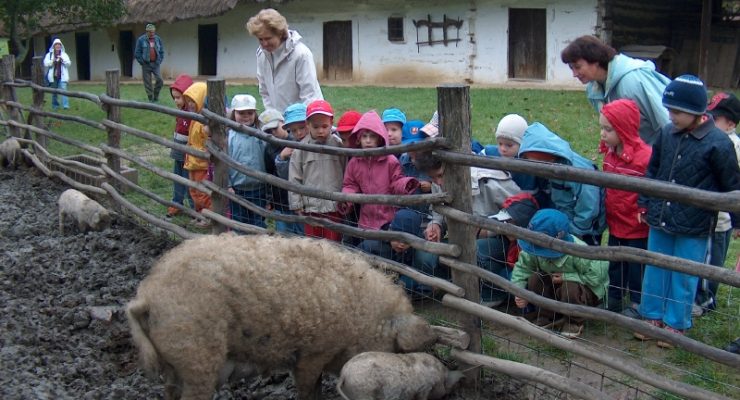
181,84
621,205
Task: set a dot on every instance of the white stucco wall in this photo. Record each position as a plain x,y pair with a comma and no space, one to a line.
480,57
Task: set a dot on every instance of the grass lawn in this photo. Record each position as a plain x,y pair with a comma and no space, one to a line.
565,112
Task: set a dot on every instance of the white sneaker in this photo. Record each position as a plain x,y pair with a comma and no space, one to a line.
697,310
492,303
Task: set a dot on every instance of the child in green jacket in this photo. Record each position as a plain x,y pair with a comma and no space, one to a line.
559,276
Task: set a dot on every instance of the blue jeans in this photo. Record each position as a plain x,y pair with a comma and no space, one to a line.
258,197
491,256
426,263
180,192
707,291
668,295
625,277
54,99
295,228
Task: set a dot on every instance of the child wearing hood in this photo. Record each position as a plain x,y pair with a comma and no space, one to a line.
627,154
375,174
182,126
582,203
57,64
195,97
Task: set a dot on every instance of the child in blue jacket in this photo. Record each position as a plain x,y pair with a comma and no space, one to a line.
583,204
693,152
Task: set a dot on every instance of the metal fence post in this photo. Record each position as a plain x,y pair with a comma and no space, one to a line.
216,95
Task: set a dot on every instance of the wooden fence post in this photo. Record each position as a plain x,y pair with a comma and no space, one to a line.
37,76
7,74
216,94
453,105
113,113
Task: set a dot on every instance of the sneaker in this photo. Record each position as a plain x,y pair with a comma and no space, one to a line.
697,310
631,312
202,223
667,345
172,211
571,330
654,322
548,323
734,347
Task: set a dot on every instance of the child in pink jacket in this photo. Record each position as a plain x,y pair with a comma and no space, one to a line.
375,174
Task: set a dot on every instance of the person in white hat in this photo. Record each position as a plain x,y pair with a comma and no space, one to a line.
248,151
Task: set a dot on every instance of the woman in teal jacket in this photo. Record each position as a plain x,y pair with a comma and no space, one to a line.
610,76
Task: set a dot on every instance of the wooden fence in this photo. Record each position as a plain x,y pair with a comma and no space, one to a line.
26,122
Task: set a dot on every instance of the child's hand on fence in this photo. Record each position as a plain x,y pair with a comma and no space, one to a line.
344,207
231,190
398,246
425,186
286,153
520,302
557,278
433,233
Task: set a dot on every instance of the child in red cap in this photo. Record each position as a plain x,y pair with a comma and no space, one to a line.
318,171
345,125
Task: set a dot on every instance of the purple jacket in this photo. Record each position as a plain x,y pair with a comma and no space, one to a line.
375,175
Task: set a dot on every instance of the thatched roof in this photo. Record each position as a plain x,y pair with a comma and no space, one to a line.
144,11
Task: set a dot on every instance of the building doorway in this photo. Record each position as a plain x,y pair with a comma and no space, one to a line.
208,49
82,55
527,43
338,50
126,52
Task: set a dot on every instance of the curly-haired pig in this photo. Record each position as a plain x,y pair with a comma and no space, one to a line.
10,153
274,303
387,376
86,212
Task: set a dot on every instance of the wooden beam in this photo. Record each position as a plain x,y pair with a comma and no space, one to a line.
705,35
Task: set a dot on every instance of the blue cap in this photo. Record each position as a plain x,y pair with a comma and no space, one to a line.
406,220
295,113
412,133
551,222
394,115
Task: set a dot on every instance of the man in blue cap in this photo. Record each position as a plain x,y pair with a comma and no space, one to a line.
556,275
149,53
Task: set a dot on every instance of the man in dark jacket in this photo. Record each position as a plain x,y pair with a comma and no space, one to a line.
149,54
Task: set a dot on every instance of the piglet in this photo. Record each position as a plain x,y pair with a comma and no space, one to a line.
388,376
88,214
10,153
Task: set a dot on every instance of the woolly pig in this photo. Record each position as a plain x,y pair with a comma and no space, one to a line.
85,211
10,153
387,376
274,303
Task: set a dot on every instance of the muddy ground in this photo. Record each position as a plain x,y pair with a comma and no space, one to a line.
63,334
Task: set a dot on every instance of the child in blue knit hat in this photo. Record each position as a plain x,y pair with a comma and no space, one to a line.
394,120
556,275
693,152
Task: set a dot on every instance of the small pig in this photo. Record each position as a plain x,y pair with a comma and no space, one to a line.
268,303
388,376
10,153
85,211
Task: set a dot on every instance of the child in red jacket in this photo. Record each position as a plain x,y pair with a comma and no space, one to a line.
624,153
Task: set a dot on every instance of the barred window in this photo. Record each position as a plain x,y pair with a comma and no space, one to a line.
395,29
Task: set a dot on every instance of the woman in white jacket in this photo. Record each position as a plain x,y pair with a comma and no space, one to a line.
285,68
57,64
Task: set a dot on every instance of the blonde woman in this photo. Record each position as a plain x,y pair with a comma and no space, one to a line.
286,71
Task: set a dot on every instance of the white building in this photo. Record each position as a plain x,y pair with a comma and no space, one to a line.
377,42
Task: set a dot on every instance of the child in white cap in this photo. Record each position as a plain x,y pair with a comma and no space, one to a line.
249,151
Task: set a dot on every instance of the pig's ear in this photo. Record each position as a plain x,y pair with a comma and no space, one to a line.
413,333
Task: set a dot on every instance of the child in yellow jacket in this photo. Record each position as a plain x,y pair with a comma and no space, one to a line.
197,167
